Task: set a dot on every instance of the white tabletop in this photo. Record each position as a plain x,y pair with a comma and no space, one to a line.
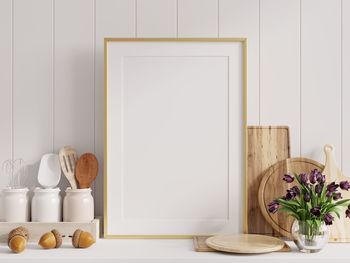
165,251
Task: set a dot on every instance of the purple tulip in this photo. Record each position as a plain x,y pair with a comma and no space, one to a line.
329,194
288,178
347,213
318,188
332,187
337,196
345,185
291,194
313,176
321,179
316,211
296,190
307,197
273,206
303,178
328,219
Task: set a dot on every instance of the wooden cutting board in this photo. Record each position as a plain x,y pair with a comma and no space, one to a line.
200,245
266,146
245,243
272,186
340,230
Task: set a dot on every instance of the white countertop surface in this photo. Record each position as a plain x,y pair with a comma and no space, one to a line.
168,251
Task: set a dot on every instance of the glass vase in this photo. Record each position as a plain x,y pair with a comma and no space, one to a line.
310,237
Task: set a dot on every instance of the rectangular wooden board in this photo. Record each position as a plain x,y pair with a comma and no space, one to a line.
266,146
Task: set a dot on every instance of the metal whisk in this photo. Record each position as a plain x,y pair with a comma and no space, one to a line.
14,170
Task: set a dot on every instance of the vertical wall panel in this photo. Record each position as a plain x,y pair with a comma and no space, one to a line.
197,18
280,66
74,74
320,77
346,86
32,83
240,18
114,18
5,83
156,18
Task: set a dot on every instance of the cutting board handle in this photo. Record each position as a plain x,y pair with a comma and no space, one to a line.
331,169
328,149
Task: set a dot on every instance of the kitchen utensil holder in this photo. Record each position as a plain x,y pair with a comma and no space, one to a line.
78,205
46,205
15,205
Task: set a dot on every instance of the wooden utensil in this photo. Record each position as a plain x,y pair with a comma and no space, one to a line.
200,245
245,243
266,146
272,186
340,230
68,158
86,170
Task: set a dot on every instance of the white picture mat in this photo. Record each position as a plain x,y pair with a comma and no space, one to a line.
174,138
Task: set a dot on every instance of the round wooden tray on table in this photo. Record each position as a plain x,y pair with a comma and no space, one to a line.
245,243
272,186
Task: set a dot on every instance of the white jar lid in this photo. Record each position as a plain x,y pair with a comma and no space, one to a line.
15,190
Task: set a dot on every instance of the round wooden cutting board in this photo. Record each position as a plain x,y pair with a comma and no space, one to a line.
272,186
245,243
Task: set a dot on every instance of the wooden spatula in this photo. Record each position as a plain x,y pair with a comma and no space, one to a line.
86,170
68,158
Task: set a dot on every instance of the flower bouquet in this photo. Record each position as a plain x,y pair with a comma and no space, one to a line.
314,204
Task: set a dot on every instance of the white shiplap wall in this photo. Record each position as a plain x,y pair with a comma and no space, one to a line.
51,67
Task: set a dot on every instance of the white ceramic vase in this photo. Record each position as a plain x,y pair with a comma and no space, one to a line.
78,205
46,205
15,205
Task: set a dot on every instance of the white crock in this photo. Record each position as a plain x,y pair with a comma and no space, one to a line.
78,205
46,205
15,205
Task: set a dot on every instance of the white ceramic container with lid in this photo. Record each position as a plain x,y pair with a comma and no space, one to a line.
15,205
78,205
46,205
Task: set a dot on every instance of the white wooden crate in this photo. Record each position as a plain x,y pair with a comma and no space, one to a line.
37,229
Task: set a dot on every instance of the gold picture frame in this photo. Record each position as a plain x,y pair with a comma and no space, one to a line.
243,42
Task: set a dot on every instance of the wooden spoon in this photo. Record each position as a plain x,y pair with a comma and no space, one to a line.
86,170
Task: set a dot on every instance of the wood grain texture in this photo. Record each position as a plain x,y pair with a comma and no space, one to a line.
200,245
266,146
340,230
86,170
245,243
272,186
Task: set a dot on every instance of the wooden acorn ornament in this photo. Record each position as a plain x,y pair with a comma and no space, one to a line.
82,239
17,239
52,239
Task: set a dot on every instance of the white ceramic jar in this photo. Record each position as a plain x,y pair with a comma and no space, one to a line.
78,205
15,205
46,205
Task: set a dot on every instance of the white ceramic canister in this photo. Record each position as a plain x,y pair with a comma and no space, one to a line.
78,205
46,205
15,205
